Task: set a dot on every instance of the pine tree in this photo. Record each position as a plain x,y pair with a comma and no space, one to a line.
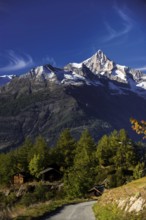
103,152
81,176
65,150
22,154
40,148
116,157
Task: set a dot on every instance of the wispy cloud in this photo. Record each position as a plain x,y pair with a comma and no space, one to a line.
143,68
126,25
15,61
49,60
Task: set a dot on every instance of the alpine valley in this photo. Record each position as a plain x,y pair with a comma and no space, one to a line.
97,94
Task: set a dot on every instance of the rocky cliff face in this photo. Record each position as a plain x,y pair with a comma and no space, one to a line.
96,94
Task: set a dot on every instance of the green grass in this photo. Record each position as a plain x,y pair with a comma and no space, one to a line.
111,212
37,211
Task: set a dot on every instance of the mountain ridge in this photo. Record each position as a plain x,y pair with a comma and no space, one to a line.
47,99
89,72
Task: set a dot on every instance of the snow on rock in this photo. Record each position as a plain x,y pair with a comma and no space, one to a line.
137,75
4,79
99,63
120,74
7,76
122,68
91,72
142,85
39,71
115,88
76,65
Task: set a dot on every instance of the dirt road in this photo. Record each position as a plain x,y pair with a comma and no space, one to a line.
81,211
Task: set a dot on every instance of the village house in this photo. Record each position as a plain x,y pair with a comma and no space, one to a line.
97,190
50,174
18,179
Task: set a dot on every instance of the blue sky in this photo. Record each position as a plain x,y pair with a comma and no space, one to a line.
37,32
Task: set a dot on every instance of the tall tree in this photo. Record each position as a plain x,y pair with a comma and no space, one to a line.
81,176
116,156
8,167
65,150
40,148
22,155
104,151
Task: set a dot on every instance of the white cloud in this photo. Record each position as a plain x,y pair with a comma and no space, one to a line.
143,68
126,25
49,60
15,61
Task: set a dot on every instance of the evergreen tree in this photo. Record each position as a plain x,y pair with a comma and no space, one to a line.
103,152
41,150
7,167
125,154
139,170
22,154
117,158
65,150
81,176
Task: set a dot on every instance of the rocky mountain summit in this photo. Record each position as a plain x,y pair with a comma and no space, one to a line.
5,79
97,94
89,72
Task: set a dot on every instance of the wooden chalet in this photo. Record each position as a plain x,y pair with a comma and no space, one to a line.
18,179
97,190
50,174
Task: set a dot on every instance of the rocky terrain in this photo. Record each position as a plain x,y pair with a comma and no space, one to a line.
130,197
97,94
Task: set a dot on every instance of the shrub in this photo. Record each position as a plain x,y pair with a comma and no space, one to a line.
28,199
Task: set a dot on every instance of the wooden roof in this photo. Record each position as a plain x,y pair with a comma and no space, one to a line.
48,170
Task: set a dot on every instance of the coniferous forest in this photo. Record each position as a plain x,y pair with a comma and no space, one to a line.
114,160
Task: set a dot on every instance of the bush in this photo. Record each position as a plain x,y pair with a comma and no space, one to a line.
28,199
11,199
40,194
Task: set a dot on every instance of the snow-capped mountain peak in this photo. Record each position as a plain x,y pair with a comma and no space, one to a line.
99,63
100,66
91,71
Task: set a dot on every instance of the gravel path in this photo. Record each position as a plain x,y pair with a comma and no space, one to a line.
81,211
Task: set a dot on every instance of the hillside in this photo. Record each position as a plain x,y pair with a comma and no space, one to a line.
130,198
